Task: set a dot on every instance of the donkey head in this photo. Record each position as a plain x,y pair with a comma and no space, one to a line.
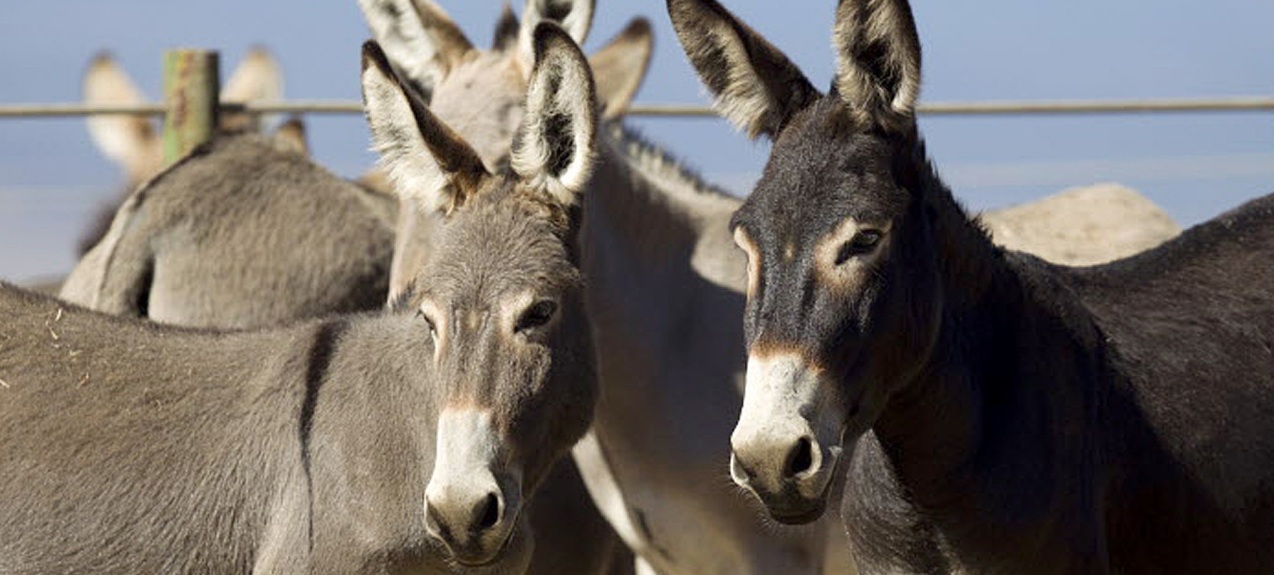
480,93
841,303
501,293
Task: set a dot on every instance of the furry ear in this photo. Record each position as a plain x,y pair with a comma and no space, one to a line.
506,29
258,78
554,147
431,168
878,60
420,38
132,142
755,86
291,136
620,67
574,16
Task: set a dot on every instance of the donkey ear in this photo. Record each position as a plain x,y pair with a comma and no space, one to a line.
506,29
431,168
132,142
554,147
258,78
423,43
574,16
756,87
291,136
620,66
878,60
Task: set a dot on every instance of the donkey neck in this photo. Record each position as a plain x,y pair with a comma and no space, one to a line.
1013,362
664,293
373,364
655,238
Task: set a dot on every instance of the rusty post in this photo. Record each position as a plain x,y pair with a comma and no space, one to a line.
192,82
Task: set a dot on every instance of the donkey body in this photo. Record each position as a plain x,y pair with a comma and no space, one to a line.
994,413
138,448
133,142
1095,420
241,233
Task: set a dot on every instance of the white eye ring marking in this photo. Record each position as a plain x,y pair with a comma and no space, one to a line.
746,244
535,316
841,254
437,322
529,312
862,243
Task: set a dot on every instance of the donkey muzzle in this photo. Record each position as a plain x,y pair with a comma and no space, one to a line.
471,505
785,448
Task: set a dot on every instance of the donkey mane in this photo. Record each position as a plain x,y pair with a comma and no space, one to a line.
952,220
649,158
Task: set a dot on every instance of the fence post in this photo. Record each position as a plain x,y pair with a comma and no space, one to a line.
192,83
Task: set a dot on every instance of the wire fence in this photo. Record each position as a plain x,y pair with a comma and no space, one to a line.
1040,107
27,213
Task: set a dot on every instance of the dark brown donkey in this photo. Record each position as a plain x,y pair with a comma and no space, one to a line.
999,414
406,441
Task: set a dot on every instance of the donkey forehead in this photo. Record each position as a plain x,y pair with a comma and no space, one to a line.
482,99
491,252
822,171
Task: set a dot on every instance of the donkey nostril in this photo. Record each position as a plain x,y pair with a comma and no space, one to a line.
801,459
490,512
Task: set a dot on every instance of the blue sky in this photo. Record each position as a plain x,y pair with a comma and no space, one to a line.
1195,165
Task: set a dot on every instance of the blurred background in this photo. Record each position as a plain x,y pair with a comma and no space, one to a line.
1194,165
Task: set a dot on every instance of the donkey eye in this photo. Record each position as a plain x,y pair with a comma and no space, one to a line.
433,330
862,243
535,316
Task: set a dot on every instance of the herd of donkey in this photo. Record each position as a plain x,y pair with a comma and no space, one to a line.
535,343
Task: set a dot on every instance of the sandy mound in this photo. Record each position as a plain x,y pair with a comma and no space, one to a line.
1083,226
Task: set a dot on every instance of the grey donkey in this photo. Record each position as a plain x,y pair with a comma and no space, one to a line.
407,440
226,239
133,142
242,232
216,240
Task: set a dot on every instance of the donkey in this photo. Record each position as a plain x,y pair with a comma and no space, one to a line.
408,440
665,285
483,93
991,413
242,232
133,142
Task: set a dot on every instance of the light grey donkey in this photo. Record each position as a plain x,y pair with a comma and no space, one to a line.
403,441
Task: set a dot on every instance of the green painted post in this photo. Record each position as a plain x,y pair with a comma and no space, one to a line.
192,82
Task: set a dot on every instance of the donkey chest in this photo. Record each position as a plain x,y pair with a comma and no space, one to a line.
969,523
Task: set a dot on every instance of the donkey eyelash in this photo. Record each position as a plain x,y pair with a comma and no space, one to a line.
535,316
863,243
433,329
